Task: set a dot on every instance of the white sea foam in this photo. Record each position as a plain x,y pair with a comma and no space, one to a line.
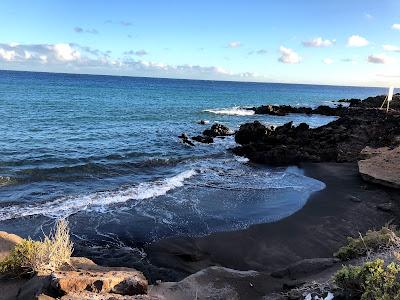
241,159
66,206
233,111
5,180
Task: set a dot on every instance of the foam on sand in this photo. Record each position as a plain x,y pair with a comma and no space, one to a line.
232,111
66,206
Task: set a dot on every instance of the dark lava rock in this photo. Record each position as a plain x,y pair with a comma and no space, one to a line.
217,130
376,102
339,141
202,122
203,139
339,110
283,110
185,139
250,132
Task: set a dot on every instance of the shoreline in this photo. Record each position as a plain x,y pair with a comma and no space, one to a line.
315,231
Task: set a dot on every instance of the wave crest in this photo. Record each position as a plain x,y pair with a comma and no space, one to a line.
66,206
232,111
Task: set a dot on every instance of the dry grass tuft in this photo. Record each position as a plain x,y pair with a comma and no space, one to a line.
40,256
384,240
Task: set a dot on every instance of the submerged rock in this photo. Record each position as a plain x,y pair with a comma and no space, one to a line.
203,122
203,139
185,139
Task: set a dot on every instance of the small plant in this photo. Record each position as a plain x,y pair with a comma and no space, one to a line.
372,241
40,256
371,281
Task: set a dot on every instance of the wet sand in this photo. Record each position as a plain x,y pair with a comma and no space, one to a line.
317,230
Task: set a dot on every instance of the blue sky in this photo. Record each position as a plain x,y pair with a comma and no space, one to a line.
351,42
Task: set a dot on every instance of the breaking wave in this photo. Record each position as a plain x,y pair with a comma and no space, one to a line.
66,206
232,111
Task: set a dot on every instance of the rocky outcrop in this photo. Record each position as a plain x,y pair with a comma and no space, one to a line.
339,110
382,167
217,130
283,110
83,275
339,141
80,279
83,279
375,102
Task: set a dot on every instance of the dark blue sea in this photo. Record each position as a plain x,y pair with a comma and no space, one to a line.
104,152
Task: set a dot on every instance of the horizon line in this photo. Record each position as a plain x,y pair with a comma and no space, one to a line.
193,79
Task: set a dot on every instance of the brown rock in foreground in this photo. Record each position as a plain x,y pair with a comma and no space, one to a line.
122,282
82,279
7,242
383,168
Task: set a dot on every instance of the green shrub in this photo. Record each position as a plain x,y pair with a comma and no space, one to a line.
30,256
371,281
370,242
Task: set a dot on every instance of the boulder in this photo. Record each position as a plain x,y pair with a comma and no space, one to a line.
250,133
83,275
116,282
217,130
383,168
7,243
81,279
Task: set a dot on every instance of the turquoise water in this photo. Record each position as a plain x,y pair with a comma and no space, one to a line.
103,151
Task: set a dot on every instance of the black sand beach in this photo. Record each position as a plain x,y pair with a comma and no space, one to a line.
347,206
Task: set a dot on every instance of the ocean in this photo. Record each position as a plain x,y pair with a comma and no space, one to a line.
104,152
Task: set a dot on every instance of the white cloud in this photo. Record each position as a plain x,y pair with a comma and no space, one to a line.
328,61
380,59
65,52
234,44
43,58
7,55
391,48
319,42
396,26
288,56
357,41
75,58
